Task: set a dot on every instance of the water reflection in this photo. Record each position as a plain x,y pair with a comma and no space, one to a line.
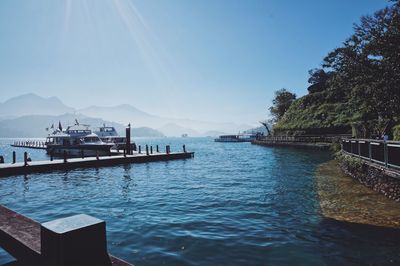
127,182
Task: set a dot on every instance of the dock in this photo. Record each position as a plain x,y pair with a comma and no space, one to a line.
30,144
23,168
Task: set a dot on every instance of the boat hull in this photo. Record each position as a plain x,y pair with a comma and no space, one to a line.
79,150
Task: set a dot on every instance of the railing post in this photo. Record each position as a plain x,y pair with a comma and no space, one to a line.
97,155
359,148
184,148
370,150
124,152
65,156
14,157
82,154
151,149
140,149
147,149
385,153
157,148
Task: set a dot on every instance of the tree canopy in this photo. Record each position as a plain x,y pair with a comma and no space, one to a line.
281,103
358,84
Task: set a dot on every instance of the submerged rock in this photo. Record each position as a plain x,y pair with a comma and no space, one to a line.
345,199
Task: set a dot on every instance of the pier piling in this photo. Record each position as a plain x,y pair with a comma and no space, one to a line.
25,158
128,139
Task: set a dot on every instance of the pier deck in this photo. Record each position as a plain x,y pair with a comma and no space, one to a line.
9,169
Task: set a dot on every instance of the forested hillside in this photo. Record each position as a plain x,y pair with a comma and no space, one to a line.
357,89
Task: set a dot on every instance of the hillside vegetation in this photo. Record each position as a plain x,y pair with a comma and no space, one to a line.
357,89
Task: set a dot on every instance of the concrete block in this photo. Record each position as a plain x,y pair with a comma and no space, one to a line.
74,241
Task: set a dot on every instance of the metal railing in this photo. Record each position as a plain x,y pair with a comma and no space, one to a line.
382,152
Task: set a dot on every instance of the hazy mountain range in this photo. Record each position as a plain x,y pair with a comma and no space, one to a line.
28,115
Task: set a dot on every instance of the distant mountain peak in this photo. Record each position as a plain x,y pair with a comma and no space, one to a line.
33,104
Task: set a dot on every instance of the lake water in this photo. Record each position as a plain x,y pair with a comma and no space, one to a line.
233,203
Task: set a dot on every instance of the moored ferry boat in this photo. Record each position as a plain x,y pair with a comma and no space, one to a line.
75,140
110,135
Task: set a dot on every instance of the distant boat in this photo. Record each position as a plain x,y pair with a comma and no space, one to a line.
75,140
185,135
237,138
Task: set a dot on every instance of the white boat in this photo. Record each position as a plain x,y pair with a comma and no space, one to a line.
236,138
110,135
76,140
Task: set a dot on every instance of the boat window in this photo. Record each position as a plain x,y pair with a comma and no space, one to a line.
91,139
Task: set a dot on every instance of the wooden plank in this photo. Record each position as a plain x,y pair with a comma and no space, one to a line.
19,236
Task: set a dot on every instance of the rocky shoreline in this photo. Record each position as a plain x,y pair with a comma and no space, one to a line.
374,176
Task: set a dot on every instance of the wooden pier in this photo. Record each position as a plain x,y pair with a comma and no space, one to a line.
30,144
82,241
28,167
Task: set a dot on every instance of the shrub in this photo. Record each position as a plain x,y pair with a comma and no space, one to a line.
396,132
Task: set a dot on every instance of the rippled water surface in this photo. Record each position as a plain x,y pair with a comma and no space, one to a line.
234,204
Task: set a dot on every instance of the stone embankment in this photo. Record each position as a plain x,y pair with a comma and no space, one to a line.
307,142
374,176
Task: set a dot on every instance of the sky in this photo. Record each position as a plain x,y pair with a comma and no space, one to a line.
211,60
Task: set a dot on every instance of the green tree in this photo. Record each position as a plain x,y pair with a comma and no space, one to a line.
281,103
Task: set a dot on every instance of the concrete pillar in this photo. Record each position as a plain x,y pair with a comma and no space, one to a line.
78,240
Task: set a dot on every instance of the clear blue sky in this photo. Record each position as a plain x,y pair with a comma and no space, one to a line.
218,60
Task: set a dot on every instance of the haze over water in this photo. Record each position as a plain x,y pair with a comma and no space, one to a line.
233,203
